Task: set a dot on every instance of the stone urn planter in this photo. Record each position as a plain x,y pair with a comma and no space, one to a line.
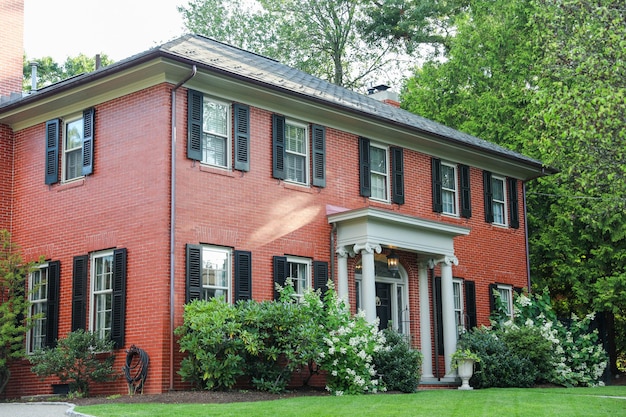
463,360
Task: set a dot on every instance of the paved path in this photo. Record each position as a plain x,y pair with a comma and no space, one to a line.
43,409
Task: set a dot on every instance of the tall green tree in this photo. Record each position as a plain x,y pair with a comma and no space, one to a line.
50,72
321,37
546,77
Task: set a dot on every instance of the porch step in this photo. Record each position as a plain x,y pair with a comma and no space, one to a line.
439,383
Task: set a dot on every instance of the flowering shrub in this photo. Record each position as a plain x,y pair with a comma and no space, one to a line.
398,364
578,358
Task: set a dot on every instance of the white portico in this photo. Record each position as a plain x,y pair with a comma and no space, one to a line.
366,231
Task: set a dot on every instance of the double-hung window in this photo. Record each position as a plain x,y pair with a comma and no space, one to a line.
215,133
216,272
102,294
506,298
38,286
379,172
498,188
299,272
374,172
459,315
449,195
296,152
73,149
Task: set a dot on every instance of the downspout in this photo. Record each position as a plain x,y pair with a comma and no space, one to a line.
526,233
173,222
332,253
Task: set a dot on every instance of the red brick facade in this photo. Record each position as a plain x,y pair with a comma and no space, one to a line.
125,202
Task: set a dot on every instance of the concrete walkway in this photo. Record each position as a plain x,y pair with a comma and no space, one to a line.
41,409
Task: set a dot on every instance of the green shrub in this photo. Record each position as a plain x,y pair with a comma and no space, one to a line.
529,343
399,365
80,358
498,366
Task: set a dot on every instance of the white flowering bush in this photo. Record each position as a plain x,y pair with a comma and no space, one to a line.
347,348
578,357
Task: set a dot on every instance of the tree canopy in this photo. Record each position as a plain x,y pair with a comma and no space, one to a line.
546,77
50,72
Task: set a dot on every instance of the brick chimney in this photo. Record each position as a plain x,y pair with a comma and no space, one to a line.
11,46
385,94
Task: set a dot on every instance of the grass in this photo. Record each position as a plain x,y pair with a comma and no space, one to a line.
570,402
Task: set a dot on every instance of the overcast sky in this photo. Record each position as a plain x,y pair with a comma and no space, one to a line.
117,28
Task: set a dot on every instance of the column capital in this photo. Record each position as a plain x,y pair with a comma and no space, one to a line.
448,260
367,247
344,252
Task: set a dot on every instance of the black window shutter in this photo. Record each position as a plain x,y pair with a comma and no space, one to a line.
320,276
278,147
194,272
437,184
118,307
488,196
364,167
492,298
438,316
243,275
52,151
466,196
89,131
397,163
52,308
318,138
194,124
470,303
242,137
79,292
280,273
513,204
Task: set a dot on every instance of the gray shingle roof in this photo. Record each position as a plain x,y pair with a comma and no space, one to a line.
238,62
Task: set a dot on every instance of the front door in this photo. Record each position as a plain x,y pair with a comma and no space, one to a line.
383,304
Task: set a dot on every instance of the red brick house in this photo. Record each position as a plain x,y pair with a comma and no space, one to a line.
196,169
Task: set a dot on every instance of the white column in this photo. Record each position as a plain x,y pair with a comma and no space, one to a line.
425,330
342,273
368,278
447,307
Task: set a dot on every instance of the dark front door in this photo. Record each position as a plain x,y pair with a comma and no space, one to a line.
383,304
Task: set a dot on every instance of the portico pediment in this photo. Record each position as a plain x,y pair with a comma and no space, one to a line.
395,230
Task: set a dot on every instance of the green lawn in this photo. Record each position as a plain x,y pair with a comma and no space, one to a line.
563,402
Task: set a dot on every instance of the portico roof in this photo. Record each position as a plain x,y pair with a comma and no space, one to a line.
395,230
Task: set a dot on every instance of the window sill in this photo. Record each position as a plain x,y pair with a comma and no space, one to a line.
72,184
219,171
297,187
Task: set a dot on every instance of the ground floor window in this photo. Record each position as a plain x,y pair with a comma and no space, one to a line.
38,286
216,272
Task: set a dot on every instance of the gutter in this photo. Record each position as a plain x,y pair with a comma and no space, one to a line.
173,223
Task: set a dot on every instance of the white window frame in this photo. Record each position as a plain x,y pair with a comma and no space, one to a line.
506,296
499,203
38,297
384,175
459,310
227,136
224,291
97,316
449,191
291,155
300,284
64,161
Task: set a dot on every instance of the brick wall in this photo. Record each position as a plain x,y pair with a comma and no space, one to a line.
11,46
6,181
125,203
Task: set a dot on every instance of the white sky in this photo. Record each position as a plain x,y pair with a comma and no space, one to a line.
117,28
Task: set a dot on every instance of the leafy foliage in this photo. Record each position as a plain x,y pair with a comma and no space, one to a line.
269,341
80,358
399,365
14,304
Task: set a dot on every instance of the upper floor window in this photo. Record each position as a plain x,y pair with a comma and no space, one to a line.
214,128
215,133
296,152
498,189
501,200
76,149
451,189
296,147
374,175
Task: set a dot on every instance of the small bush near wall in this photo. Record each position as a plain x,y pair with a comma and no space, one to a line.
399,365
268,341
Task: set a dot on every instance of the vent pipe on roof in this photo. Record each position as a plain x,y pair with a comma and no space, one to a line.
33,75
98,61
